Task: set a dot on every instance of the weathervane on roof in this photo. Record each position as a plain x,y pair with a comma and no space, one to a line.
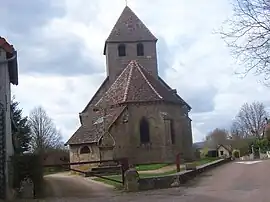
126,2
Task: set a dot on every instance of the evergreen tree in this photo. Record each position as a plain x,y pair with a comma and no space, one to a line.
20,129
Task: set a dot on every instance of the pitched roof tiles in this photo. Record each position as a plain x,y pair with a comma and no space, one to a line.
136,84
130,28
87,134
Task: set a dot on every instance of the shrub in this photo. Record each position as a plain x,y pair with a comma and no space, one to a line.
28,166
236,154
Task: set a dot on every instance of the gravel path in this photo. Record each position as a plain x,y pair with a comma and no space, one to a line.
66,185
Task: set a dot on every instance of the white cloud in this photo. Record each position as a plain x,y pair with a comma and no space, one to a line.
201,67
62,97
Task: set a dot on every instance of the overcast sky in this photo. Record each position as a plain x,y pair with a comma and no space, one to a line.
61,65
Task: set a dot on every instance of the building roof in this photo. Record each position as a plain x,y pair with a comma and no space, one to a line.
101,87
129,28
92,133
12,63
5,45
178,96
106,81
135,84
227,147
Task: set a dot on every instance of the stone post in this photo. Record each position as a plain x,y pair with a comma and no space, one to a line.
131,180
178,162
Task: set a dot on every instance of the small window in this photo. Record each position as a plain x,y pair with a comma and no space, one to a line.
121,50
140,49
172,132
85,150
221,153
144,131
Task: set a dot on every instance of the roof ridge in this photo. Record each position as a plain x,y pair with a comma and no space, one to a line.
148,82
126,69
128,83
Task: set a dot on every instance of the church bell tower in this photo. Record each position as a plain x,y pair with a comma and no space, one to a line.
130,40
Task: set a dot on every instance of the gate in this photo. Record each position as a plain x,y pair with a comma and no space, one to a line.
100,172
2,153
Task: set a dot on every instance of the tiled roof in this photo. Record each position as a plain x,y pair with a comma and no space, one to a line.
93,133
12,65
169,88
5,45
135,84
227,147
130,28
102,86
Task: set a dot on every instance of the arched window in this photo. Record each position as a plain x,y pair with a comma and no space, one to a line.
140,49
144,131
122,50
172,132
85,150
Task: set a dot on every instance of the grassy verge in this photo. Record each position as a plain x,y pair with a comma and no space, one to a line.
109,182
148,175
119,178
150,166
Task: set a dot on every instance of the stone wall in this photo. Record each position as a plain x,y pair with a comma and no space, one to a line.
223,152
160,148
116,64
2,153
5,100
75,156
177,179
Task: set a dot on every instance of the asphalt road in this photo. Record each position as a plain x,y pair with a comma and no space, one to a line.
232,182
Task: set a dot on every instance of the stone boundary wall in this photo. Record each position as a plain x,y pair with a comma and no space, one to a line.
177,179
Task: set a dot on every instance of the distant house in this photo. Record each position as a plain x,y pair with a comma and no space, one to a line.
213,150
224,150
210,148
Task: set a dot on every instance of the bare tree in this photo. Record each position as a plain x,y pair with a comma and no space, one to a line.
250,120
217,136
237,131
43,131
247,33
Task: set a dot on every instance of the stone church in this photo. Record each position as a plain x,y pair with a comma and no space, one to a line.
134,113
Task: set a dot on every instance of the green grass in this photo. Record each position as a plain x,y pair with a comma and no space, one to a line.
142,176
112,183
148,175
150,166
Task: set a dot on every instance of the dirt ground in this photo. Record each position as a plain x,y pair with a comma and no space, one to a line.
232,182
